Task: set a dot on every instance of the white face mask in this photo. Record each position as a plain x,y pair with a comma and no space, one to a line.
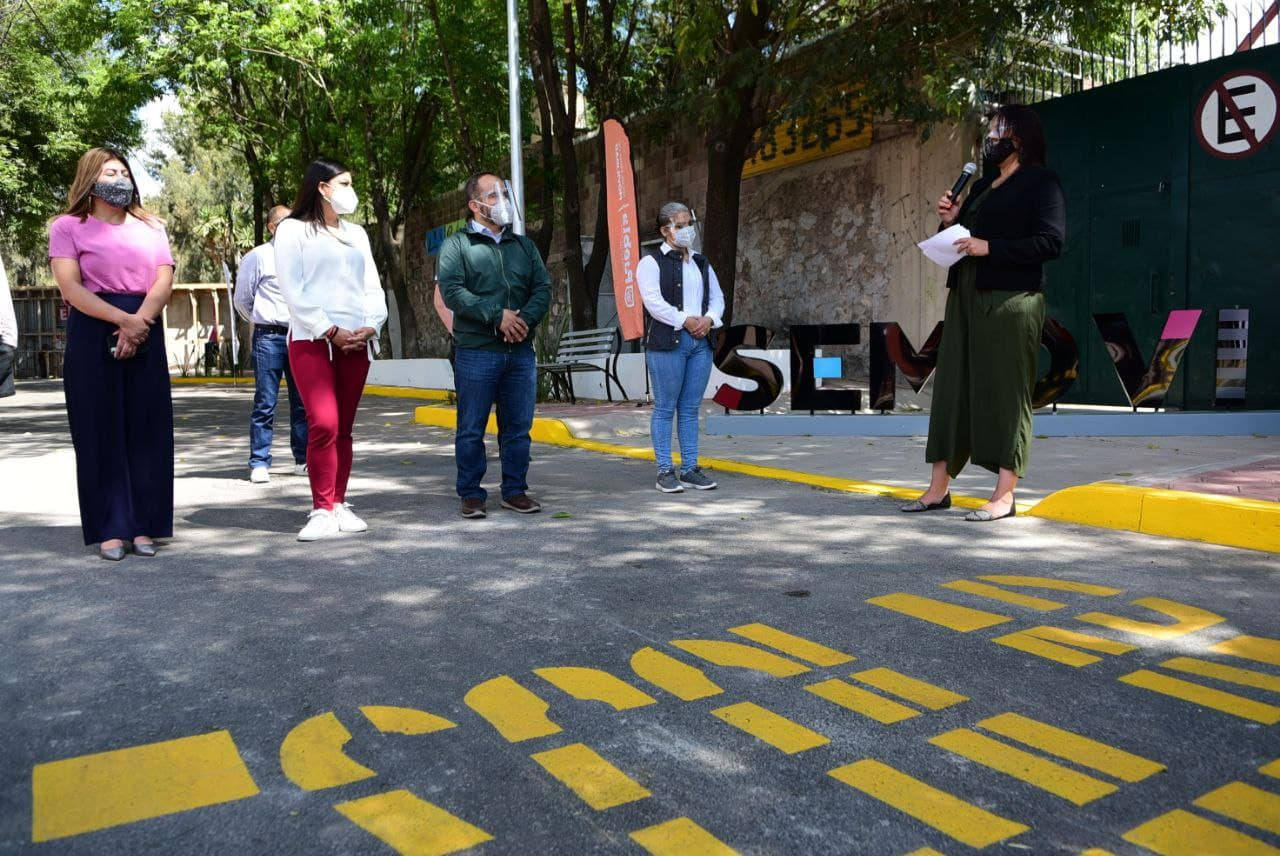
343,199
500,212
685,236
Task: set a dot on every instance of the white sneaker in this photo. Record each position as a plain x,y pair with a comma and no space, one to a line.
259,475
300,469
321,523
347,520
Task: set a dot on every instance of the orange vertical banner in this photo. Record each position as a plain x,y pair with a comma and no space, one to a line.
624,235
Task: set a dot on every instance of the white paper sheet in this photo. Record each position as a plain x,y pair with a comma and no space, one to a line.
940,250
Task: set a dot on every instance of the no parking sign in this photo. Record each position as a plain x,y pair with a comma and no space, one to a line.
1237,114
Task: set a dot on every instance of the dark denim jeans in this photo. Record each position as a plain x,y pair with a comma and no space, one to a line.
678,378
483,378
270,361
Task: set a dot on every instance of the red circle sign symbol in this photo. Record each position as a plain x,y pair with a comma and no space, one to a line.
1237,114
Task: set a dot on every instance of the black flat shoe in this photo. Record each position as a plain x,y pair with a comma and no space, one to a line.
147,550
984,516
916,505
111,554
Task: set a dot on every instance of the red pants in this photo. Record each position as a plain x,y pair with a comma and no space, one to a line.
331,386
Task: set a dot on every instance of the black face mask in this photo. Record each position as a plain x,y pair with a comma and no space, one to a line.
118,193
994,152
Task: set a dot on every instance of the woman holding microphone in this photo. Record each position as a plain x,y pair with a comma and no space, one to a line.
987,362
336,309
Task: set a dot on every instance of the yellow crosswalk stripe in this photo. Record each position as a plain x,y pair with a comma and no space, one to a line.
862,701
1039,604
311,754
517,713
949,615
412,826
680,837
89,792
912,689
950,815
1181,833
1245,708
596,782
1272,769
685,682
1043,641
773,728
1073,747
739,656
1187,619
796,646
595,685
1044,774
1052,584
1257,648
1246,804
1231,674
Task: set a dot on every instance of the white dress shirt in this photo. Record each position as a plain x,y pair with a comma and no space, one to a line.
258,296
651,291
8,321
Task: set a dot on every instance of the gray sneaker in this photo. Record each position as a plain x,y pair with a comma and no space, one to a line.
668,483
696,479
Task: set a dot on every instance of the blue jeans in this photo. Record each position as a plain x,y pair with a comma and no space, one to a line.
481,379
679,378
270,361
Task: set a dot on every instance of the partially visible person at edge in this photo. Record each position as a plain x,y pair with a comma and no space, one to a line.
987,361
336,309
8,335
111,260
498,288
258,300
684,303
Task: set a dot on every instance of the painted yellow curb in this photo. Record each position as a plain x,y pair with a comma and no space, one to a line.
1233,522
407,392
203,381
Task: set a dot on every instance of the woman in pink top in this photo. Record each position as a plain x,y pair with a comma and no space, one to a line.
111,260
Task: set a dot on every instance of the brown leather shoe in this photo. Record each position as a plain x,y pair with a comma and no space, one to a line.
522,503
474,509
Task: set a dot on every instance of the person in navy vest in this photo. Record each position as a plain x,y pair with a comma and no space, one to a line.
683,304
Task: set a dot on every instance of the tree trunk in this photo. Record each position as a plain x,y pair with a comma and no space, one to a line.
594,272
726,155
546,195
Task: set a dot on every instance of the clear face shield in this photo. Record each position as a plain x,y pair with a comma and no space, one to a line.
499,203
687,235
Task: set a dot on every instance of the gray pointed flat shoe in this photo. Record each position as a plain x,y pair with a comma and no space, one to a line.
111,554
983,516
147,550
916,505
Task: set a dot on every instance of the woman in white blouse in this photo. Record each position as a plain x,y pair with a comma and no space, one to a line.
336,309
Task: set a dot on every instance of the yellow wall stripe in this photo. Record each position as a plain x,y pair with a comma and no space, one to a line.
1180,833
1039,604
514,711
861,701
950,815
89,792
912,689
1124,766
683,681
597,782
1072,786
1257,648
1246,804
773,728
412,826
595,685
1187,619
948,615
680,837
1231,674
796,646
1245,708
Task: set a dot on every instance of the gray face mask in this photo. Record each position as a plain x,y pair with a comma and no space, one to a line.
118,193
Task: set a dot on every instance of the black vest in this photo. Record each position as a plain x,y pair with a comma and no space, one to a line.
664,337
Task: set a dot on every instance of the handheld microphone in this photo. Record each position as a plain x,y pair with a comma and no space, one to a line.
965,174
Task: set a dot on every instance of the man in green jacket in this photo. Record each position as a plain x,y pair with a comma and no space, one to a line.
498,288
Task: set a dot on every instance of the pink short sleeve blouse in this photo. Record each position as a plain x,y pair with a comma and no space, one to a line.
117,259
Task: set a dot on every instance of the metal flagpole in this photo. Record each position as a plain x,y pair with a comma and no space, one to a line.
513,89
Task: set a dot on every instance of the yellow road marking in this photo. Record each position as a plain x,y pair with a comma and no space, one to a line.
948,615
796,646
1272,769
912,689
89,792
412,826
1181,833
680,837
950,815
1051,583
1042,641
1207,669
925,851
1187,619
1246,804
404,720
1096,851
1044,774
1245,708
1258,648
1123,765
514,711
862,701
737,655
683,681
595,685
311,755
991,592
773,728
597,782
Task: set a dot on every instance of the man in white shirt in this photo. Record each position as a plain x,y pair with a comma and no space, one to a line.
683,300
258,299
8,335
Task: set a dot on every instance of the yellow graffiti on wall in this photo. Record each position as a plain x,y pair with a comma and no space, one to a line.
843,128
